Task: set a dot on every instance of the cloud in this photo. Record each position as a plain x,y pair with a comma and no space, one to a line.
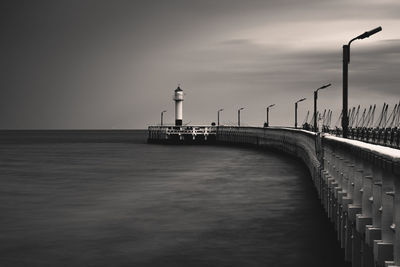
237,42
247,60
250,72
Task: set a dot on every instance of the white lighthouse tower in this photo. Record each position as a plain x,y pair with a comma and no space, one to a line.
178,98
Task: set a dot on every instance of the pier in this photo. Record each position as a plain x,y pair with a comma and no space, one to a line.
358,183
182,134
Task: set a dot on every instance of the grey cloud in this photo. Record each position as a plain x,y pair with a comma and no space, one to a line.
237,42
288,75
255,60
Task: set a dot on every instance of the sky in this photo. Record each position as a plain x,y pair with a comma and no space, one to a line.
94,64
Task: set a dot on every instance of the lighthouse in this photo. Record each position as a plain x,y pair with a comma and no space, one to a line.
178,98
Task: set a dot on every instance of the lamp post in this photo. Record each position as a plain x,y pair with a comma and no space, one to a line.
295,111
219,110
346,61
315,105
270,106
162,117
239,115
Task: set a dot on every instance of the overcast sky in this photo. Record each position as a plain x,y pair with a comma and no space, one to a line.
114,64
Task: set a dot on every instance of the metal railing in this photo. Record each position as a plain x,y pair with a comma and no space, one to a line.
389,137
166,132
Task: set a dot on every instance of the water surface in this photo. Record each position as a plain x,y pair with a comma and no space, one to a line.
109,199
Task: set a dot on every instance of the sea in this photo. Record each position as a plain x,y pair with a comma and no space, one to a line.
107,198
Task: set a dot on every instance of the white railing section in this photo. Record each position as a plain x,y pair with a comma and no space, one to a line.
166,132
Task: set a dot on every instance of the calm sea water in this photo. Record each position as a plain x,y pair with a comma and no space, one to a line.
81,198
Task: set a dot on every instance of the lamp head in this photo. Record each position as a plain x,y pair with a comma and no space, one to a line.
323,87
369,33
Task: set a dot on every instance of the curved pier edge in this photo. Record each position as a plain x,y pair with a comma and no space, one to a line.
358,185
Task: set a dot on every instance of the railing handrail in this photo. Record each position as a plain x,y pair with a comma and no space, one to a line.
270,128
379,150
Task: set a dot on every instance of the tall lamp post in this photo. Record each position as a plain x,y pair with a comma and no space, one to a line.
219,110
295,111
315,105
270,106
239,115
162,117
346,61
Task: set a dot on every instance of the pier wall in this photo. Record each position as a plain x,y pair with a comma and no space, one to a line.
356,183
